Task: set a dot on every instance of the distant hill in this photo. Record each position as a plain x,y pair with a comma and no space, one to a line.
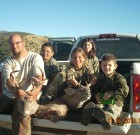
33,43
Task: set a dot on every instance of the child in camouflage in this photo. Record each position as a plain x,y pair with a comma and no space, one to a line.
51,68
111,85
89,47
50,64
77,71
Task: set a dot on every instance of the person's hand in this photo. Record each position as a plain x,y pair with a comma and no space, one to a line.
106,96
73,82
20,93
98,99
32,95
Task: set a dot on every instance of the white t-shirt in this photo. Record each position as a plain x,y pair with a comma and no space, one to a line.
30,66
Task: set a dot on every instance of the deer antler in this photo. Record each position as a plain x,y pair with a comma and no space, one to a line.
37,82
12,77
93,81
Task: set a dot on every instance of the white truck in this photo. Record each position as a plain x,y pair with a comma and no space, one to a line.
126,47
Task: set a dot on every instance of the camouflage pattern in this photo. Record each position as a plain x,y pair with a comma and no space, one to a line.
112,111
94,63
83,75
55,89
61,81
51,69
116,86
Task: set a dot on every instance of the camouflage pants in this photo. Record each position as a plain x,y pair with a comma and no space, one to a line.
55,89
113,111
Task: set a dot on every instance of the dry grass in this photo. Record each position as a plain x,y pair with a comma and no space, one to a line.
33,42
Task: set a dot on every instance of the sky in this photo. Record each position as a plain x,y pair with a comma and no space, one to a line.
70,18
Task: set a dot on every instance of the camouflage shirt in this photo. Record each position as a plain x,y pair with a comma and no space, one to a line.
94,63
51,69
115,85
82,75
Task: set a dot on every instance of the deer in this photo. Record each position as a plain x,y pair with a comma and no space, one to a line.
73,98
26,107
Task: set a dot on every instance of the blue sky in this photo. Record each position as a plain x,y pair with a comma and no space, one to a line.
57,18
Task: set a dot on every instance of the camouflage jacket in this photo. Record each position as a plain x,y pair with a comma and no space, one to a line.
94,63
115,85
83,75
51,69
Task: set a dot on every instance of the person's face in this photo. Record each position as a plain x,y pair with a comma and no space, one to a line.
108,67
87,47
78,60
17,46
46,53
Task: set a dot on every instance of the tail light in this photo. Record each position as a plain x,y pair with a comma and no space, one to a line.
136,93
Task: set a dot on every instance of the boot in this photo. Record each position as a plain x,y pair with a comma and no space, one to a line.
91,110
101,116
87,113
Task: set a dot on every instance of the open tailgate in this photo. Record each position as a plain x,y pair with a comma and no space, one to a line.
5,121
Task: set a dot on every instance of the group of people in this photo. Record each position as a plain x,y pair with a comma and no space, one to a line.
24,70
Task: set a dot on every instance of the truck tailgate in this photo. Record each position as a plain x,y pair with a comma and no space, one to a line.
5,121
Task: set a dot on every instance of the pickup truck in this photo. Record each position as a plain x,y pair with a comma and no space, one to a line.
126,47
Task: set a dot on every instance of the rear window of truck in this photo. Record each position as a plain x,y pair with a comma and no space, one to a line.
121,47
62,49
